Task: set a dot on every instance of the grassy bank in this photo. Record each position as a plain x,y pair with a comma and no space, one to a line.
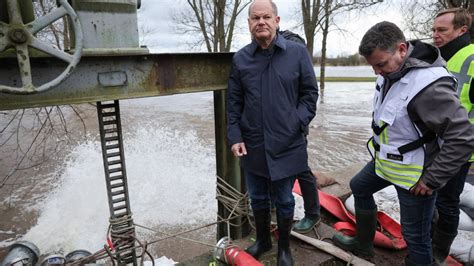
348,79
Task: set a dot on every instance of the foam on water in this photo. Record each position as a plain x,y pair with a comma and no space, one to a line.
171,177
74,214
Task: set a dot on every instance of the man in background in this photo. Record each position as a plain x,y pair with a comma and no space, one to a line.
451,35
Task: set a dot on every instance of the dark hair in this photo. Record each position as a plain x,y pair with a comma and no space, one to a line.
461,16
383,35
274,7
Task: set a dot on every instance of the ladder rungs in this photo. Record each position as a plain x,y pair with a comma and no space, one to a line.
113,146
116,193
108,114
113,178
114,162
121,207
115,138
110,122
115,170
107,105
113,154
118,200
116,185
110,130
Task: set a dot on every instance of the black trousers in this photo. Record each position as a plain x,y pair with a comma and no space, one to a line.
307,181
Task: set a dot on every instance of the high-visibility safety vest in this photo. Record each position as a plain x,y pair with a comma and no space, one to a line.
397,145
461,65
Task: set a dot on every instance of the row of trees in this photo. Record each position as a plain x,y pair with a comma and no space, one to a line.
214,20
340,60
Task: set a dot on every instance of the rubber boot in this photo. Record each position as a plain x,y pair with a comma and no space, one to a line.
441,245
306,224
284,252
264,240
363,242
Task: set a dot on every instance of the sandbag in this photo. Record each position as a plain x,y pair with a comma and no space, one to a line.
463,250
466,199
465,222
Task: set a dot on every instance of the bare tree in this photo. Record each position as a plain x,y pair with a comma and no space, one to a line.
146,32
320,15
56,33
310,9
213,20
31,137
325,31
419,16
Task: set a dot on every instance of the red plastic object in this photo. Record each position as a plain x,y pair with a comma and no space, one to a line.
109,242
450,261
236,256
347,225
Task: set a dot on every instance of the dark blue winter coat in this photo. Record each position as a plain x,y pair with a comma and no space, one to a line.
271,100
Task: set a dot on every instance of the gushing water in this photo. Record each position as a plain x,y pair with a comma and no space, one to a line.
171,177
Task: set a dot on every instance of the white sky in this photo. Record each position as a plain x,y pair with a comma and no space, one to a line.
155,16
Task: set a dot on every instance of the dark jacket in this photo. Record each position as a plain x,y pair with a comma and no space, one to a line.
437,109
271,100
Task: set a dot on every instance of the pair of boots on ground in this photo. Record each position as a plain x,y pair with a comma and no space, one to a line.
362,243
264,240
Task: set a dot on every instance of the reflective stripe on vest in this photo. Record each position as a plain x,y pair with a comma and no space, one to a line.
405,169
461,65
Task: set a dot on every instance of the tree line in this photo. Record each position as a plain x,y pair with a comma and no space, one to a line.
213,21
341,60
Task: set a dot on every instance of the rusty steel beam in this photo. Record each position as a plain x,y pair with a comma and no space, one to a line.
116,76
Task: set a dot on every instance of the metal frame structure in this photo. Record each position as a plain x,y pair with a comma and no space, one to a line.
111,69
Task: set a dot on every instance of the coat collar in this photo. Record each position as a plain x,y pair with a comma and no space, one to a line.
279,41
452,47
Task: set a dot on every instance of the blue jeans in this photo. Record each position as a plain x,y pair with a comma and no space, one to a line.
415,211
447,202
262,190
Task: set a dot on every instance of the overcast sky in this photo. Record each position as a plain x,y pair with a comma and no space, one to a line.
155,16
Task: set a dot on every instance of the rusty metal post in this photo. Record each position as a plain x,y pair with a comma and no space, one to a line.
227,166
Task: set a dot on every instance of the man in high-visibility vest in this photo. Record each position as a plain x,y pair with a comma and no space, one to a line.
421,138
451,36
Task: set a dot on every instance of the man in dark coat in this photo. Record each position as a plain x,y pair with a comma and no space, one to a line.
306,179
272,95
